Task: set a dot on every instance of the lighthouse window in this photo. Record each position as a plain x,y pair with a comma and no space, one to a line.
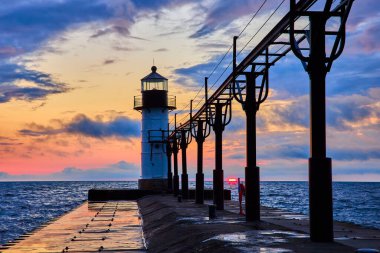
154,85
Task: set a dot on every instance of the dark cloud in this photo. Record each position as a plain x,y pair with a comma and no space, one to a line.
284,151
122,48
296,151
354,154
11,74
155,5
362,27
342,112
120,30
109,61
368,40
345,111
138,38
161,50
39,131
38,106
124,165
31,23
20,93
358,171
2,138
237,123
195,74
289,114
3,175
223,13
27,25
119,127
236,156
117,171
9,51
9,144
213,45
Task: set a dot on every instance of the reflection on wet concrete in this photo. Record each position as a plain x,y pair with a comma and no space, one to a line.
113,226
258,240
345,233
263,250
207,220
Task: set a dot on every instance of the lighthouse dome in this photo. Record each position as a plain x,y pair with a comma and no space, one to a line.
154,81
154,93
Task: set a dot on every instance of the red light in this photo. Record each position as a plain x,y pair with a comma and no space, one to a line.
232,180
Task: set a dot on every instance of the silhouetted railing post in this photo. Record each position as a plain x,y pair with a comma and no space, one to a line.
185,140
252,171
218,174
175,177
200,130
251,103
169,152
170,174
320,177
200,178
317,64
175,155
219,115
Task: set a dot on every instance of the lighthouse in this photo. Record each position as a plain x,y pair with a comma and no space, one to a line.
154,103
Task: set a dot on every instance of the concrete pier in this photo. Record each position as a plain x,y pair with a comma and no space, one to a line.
171,226
113,226
186,227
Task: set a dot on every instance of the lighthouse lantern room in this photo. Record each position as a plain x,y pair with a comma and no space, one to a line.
154,103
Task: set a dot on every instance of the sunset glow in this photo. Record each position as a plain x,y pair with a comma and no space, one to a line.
70,69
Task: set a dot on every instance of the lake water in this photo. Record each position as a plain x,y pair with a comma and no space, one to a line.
27,205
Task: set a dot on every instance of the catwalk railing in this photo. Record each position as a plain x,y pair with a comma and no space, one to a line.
271,39
216,112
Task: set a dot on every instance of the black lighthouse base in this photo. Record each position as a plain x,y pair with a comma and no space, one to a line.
155,184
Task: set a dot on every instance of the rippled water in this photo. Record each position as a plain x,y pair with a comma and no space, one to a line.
27,205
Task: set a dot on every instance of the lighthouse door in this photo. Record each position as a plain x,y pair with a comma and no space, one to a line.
157,160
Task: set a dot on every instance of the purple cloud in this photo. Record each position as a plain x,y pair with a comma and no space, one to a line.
45,84
224,12
119,127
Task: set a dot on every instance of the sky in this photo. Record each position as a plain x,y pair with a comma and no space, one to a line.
69,71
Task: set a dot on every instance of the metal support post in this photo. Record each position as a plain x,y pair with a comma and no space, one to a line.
252,172
220,116
199,183
170,174
251,103
175,177
199,130
218,175
175,154
320,178
317,64
184,176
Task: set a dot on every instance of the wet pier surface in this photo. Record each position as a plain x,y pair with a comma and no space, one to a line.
113,226
171,226
344,233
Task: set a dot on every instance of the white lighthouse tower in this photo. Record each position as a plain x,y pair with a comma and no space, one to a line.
154,105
